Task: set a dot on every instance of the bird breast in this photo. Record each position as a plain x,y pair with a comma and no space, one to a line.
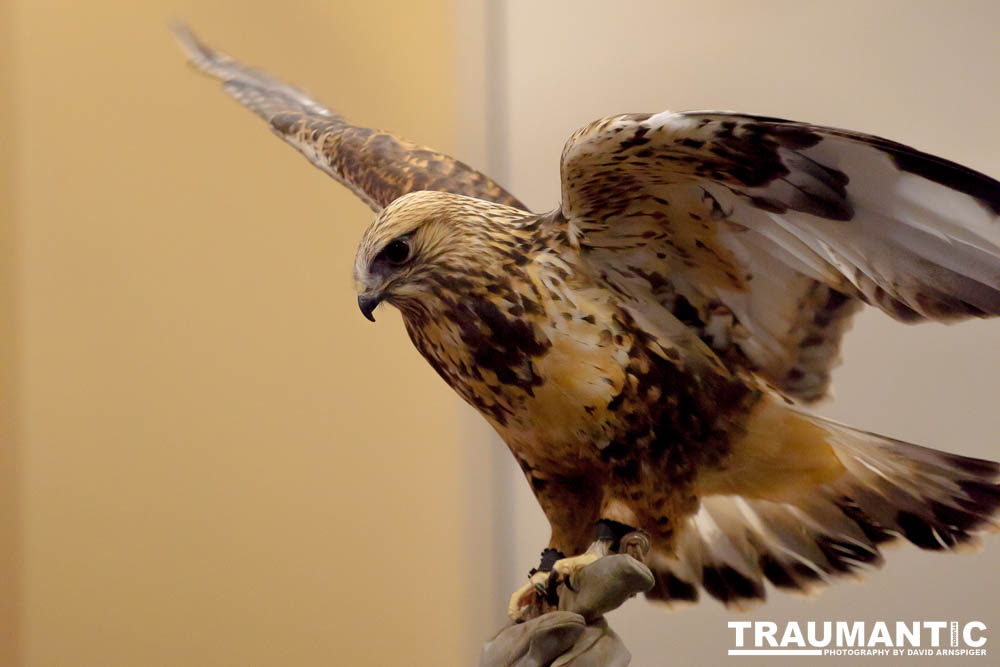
543,365
570,416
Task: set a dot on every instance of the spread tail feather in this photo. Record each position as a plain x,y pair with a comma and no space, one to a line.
805,536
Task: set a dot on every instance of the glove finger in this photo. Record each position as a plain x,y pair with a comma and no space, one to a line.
552,640
598,647
535,642
605,584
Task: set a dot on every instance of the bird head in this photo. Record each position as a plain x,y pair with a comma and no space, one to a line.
425,242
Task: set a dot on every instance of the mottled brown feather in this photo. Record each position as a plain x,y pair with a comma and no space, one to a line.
376,165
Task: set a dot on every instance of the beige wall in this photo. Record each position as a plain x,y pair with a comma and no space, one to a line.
9,517
921,72
220,461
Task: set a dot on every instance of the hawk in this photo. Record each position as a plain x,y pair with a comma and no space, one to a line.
646,349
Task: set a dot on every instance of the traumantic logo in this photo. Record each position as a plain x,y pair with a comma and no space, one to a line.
844,638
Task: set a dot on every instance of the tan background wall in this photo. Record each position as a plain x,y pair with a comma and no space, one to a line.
925,73
9,480
221,462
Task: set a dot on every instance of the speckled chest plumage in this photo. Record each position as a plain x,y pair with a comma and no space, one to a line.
602,417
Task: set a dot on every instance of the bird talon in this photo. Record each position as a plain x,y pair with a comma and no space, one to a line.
541,593
552,588
568,567
526,601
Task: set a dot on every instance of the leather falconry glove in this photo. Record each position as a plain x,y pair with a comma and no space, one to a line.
576,635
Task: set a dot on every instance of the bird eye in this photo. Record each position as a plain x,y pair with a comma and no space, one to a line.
397,252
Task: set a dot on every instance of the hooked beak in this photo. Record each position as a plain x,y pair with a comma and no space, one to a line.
367,303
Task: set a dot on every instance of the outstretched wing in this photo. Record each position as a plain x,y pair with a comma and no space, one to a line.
766,234
376,166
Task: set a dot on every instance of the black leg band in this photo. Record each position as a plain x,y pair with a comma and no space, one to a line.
606,529
549,558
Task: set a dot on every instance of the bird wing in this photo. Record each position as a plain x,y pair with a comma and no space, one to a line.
767,235
376,166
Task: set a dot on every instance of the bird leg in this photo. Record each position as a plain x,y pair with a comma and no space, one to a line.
541,594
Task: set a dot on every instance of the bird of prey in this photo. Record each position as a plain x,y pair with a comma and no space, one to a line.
646,349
